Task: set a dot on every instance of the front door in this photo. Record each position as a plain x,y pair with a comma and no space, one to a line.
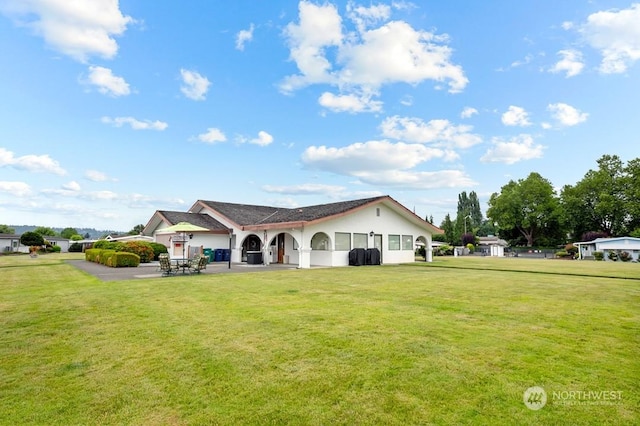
377,243
281,248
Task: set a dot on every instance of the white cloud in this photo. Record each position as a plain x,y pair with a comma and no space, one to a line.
135,124
243,37
304,189
17,189
365,17
571,63
519,148
71,186
349,103
195,85
368,157
263,139
418,180
212,136
567,115
31,163
79,29
468,112
368,58
97,176
106,82
516,116
616,34
527,60
439,132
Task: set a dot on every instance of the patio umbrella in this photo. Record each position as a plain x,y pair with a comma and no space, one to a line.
183,228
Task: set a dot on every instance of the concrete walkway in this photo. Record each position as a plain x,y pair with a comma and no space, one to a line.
152,270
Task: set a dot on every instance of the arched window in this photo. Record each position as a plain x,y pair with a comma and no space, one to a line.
320,241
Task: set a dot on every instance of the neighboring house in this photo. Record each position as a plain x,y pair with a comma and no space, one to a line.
492,246
320,235
11,243
63,243
618,245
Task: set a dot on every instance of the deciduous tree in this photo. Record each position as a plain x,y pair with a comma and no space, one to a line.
529,206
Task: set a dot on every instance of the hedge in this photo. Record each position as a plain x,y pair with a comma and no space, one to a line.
112,258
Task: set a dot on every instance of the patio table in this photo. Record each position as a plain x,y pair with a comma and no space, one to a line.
182,262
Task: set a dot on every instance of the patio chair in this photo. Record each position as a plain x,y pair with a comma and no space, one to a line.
197,264
165,265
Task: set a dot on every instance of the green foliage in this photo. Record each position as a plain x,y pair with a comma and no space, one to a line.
45,231
604,200
612,255
137,230
471,247
158,249
529,206
75,248
6,229
142,248
53,249
449,231
68,233
445,250
76,237
563,253
30,238
112,258
598,255
625,256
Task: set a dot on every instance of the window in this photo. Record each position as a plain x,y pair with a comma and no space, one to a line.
394,242
407,242
343,241
360,241
320,241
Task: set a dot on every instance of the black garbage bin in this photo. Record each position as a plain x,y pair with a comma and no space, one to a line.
254,257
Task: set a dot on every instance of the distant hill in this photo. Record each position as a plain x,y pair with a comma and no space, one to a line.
93,233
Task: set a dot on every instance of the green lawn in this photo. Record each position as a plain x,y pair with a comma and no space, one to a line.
453,342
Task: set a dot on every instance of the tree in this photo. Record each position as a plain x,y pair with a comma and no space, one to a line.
599,202
76,237
68,233
31,239
529,206
137,230
448,227
45,231
6,229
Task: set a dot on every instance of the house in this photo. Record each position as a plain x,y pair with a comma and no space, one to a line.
492,246
319,235
618,245
11,243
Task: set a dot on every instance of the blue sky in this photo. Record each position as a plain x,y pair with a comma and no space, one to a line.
112,110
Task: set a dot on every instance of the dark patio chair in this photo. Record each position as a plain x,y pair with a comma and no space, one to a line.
165,265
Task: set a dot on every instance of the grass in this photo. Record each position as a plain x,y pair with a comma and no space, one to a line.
453,342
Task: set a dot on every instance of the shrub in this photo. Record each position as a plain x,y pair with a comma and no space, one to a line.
613,255
444,250
75,248
562,253
31,239
158,249
54,249
598,255
142,248
571,249
471,247
468,238
625,256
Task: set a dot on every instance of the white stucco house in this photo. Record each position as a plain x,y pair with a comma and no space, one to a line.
630,245
11,243
319,235
492,246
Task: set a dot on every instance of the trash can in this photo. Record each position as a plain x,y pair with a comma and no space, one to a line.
218,255
226,255
208,253
254,257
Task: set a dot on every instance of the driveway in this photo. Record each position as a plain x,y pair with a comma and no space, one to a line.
151,270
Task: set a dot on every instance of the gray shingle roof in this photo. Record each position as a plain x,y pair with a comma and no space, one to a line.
247,215
198,219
